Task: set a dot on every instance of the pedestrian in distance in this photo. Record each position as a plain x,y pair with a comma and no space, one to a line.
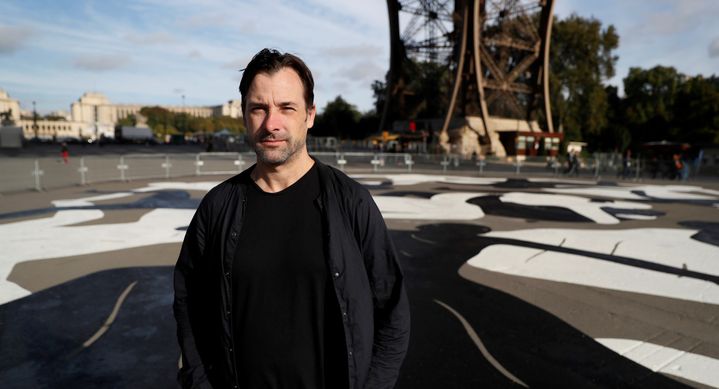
287,276
64,153
627,164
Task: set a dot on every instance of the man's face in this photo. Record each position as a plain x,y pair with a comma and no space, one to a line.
276,116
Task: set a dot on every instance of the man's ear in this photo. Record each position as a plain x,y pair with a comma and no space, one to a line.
311,112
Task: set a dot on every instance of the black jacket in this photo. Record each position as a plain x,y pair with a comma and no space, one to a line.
367,280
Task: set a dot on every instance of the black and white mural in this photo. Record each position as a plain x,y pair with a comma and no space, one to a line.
513,282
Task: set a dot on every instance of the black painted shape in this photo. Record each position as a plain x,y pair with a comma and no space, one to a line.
534,345
708,231
42,334
708,203
173,199
644,212
638,263
607,183
523,183
491,205
410,193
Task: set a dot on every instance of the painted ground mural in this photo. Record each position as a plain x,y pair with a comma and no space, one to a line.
513,282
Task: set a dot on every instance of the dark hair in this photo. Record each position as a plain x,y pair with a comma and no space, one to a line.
271,61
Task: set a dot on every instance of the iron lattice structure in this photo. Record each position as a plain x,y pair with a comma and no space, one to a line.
424,31
499,56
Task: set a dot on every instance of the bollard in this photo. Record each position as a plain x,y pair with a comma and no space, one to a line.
198,164
122,167
375,163
341,162
444,163
167,165
37,173
517,165
636,176
239,162
83,171
481,164
596,166
409,162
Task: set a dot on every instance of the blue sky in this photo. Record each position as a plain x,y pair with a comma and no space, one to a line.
154,51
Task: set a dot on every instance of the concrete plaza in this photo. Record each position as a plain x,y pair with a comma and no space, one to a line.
513,282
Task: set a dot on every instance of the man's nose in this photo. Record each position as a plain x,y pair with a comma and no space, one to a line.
273,121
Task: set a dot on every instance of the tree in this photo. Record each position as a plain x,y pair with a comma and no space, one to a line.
229,123
696,110
338,118
650,96
160,120
426,94
127,121
581,60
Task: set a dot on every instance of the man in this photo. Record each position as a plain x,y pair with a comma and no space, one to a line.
287,277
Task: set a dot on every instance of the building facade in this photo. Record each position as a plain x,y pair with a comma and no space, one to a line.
93,116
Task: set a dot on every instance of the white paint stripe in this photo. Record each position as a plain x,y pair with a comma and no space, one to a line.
633,216
443,206
581,270
480,345
413,179
665,192
667,246
680,363
111,318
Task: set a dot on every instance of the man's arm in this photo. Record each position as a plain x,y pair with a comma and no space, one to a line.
192,373
391,306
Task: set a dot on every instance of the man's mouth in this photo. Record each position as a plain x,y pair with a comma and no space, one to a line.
271,141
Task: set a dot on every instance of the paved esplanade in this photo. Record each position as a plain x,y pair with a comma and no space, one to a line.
513,282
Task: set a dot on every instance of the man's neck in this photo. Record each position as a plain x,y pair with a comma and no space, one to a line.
275,178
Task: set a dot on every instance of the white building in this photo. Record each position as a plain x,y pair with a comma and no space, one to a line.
9,104
93,116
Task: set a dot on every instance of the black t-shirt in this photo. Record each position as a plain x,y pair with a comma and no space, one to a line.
287,325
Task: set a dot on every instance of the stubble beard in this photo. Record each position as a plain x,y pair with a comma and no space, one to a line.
277,156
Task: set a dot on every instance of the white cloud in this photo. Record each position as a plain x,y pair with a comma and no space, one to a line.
13,38
154,38
362,71
361,50
100,62
714,48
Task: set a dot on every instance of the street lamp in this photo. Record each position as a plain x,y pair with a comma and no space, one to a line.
34,119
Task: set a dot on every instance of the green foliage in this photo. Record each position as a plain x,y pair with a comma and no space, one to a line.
127,121
229,123
581,59
663,104
426,93
163,121
696,110
339,118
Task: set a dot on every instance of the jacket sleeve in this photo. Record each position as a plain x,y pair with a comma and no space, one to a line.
192,373
391,307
